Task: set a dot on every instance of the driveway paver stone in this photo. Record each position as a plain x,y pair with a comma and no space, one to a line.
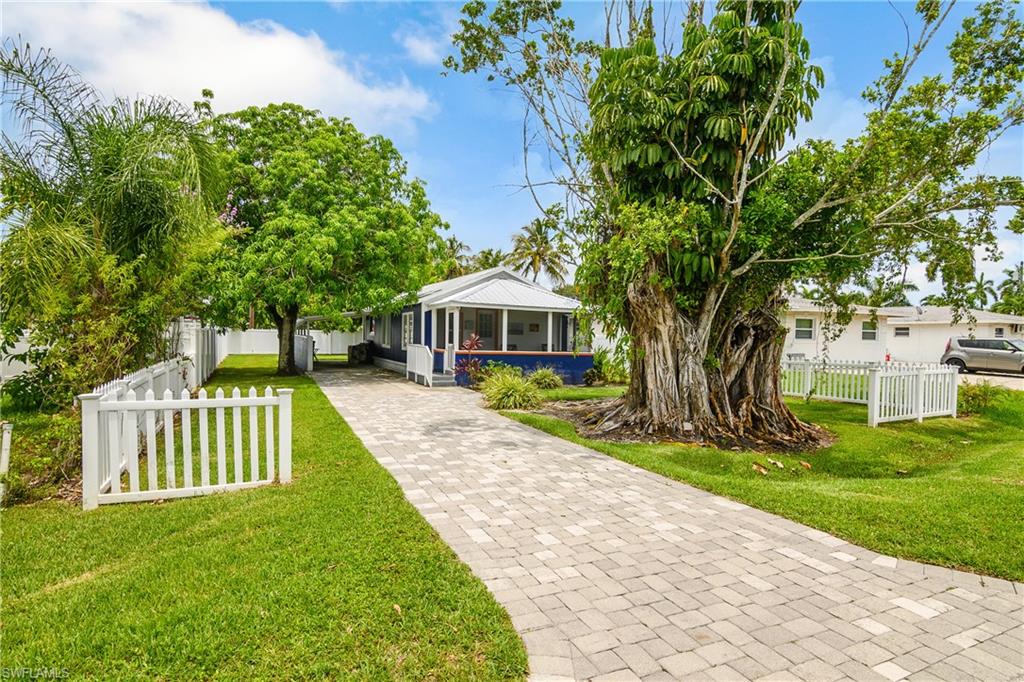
612,572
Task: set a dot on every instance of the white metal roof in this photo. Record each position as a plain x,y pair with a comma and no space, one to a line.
508,293
497,287
439,290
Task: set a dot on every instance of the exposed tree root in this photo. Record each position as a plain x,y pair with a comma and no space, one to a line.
611,419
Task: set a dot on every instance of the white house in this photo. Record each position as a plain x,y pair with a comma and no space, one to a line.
899,334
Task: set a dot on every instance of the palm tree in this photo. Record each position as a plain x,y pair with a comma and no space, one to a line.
882,293
93,185
538,248
489,258
982,290
935,300
125,178
1014,282
453,259
1011,291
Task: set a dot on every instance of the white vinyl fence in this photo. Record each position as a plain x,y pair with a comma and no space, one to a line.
304,351
892,391
114,423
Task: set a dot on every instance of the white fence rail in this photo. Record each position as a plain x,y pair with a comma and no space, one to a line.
892,391
112,424
419,364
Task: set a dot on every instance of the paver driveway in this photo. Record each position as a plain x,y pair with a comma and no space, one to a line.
609,570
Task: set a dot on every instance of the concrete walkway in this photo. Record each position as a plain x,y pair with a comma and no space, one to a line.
612,572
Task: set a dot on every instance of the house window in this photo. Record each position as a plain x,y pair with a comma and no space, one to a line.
804,328
1000,332
869,331
383,331
407,330
902,331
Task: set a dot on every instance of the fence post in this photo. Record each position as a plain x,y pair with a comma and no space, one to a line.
808,378
954,376
919,395
874,395
284,415
5,454
90,450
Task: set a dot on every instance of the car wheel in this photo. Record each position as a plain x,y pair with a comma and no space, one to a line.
959,364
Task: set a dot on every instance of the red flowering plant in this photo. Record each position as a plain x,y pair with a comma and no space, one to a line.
469,367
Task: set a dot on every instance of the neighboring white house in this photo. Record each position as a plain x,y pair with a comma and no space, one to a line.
899,334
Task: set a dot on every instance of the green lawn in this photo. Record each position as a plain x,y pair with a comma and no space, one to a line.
334,575
948,492
582,392
336,357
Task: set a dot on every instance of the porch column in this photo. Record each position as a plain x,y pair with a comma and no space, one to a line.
423,326
550,316
504,329
458,330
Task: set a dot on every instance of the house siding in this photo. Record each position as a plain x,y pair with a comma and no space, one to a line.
569,366
926,342
394,320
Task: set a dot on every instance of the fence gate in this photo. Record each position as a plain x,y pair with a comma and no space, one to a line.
114,424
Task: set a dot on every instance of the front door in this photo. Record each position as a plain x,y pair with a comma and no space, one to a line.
485,328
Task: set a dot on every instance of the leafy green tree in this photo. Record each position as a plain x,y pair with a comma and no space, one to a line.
106,203
323,220
540,248
692,221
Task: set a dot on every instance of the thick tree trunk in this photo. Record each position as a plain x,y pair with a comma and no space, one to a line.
285,322
724,389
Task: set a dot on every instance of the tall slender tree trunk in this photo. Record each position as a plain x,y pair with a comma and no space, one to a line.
717,384
285,321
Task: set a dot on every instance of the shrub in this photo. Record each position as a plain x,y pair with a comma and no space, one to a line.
492,367
591,376
469,368
545,377
975,398
46,453
508,391
609,368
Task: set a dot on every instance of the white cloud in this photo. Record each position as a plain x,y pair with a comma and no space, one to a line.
427,44
178,49
422,49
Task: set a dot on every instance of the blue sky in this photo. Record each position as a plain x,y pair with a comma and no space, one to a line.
379,64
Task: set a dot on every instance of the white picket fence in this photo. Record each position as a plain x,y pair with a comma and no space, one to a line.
892,391
112,424
173,375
